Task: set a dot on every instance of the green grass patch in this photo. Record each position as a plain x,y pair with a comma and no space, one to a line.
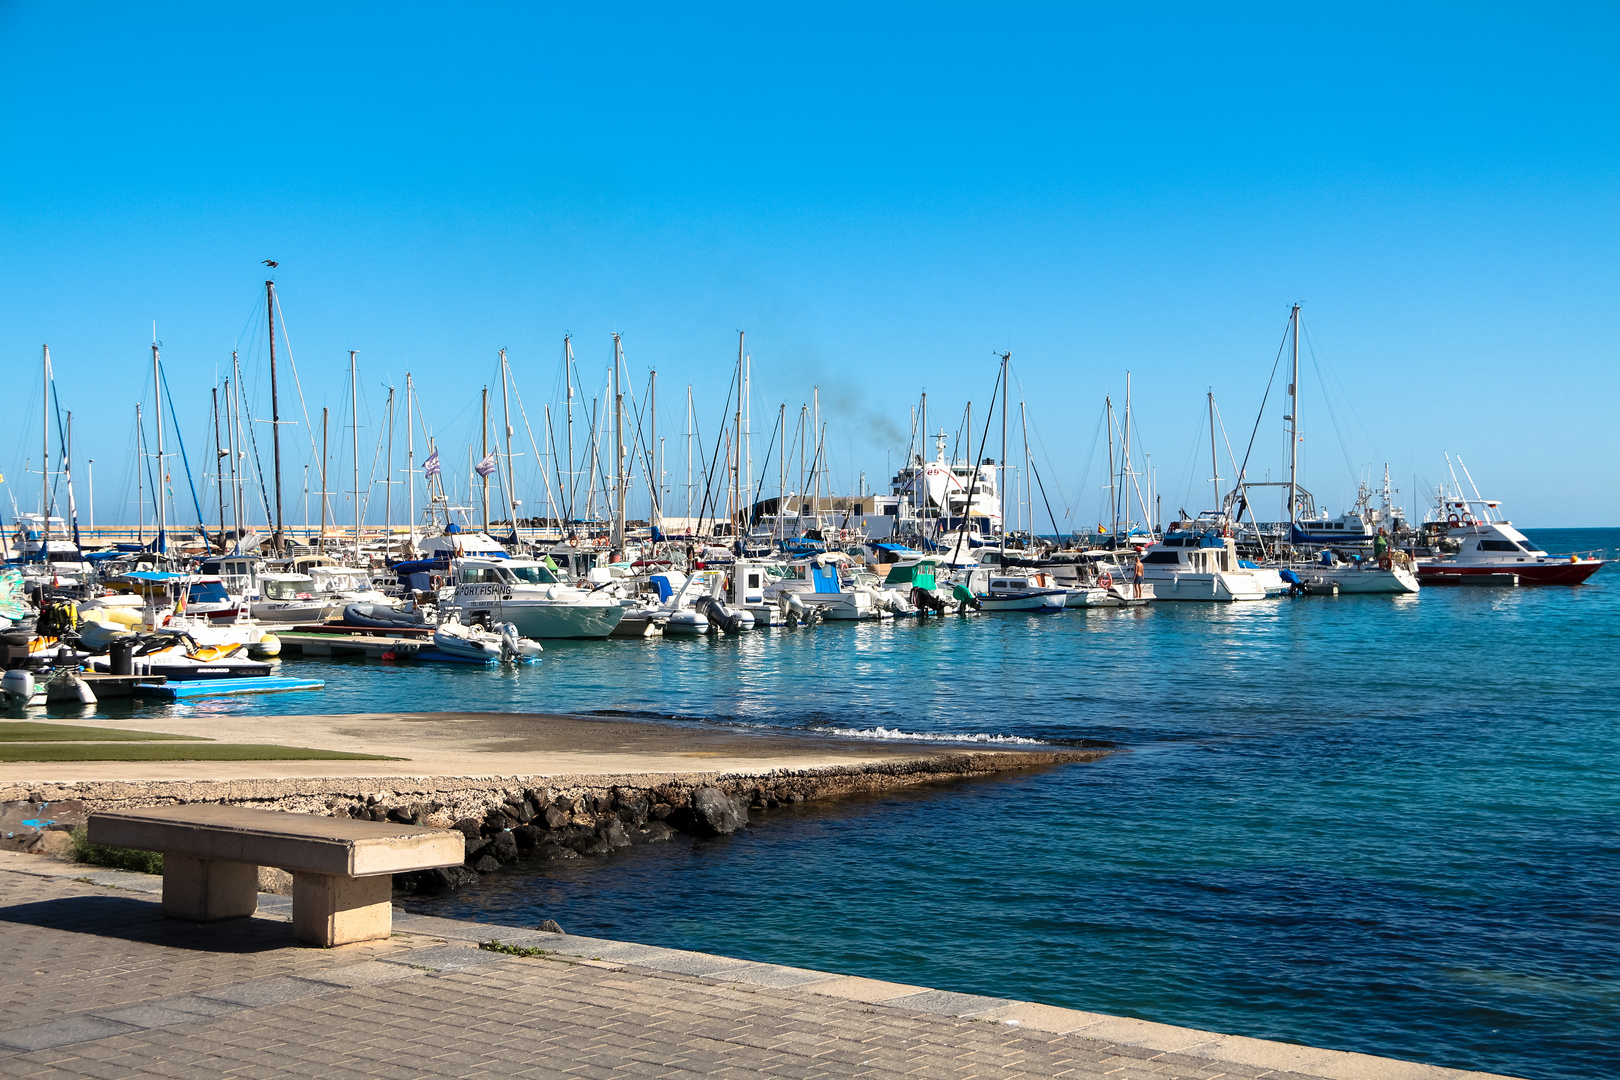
205,751
29,732
512,950
118,858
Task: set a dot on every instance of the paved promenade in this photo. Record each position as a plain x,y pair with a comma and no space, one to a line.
99,984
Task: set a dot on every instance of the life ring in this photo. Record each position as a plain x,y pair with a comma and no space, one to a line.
1386,562
1105,580
1453,520
1469,520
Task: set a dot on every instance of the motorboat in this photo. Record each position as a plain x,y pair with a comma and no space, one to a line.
527,594
816,581
1199,566
292,598
1495,547
483,645
997,590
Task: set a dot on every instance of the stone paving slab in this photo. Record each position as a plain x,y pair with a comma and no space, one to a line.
99,984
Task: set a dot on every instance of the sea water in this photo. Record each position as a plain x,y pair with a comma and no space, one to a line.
1381,824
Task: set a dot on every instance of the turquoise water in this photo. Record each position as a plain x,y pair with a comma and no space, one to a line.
1383,824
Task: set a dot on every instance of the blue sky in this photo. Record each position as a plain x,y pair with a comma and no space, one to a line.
883,199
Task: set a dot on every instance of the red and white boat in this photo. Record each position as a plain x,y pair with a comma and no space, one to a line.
1488,545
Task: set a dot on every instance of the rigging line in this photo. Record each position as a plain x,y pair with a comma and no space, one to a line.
1333,416
765,468
1038,440
180,438
533,445
708,477
1091,455
1243,470
1057,534
286,338
973,482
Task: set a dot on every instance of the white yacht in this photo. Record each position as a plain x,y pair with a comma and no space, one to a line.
1199,566
527,594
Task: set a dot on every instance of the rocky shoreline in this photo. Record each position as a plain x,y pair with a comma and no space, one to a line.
507,820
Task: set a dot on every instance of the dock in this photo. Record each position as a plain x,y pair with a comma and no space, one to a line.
102,984
119,686
350,643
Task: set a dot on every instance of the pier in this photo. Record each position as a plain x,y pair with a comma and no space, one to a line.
102,984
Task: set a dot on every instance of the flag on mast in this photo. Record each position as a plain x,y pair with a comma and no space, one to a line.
487,466
430,467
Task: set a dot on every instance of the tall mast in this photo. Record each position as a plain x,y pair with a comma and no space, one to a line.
781,483
1113,495
655,515
619,482
506,421
1029,494
689,457
275,415
388,485
1293,433
919,481
140,480
233,399
1001,481
484,453
320,544
1214,461
162,480
1125,453
354,427
736,448
568,374
410,456
817,465
45,457
219,473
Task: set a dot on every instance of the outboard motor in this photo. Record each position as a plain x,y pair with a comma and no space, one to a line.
722,616
17,687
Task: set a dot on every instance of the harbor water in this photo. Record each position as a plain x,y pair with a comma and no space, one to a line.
1382,824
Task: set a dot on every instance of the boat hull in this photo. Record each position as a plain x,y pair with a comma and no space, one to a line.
1219,587
541,621
1528,573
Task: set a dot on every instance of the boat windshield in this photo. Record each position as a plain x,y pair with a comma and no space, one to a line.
529,575
298,588
344,582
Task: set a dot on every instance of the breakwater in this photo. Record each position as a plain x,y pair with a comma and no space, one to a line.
512,819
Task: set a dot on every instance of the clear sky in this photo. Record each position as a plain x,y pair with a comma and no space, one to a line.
883,197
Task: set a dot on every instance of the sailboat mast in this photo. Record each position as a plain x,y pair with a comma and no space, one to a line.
689,456
1113,497
275,415
140,480
410,455
506,421
1029,494
320,544
568,375
1125,453
1293,434
484,453
1001,485
618,443
781,482
162,508
657,512
736,445
219,473
354,430
388,482
1214,461
45,457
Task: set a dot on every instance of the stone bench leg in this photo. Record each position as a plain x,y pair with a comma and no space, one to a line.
207,890
330,909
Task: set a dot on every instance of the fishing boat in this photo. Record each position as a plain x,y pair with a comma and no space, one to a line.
1495,549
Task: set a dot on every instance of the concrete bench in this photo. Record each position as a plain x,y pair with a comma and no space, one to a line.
342,869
